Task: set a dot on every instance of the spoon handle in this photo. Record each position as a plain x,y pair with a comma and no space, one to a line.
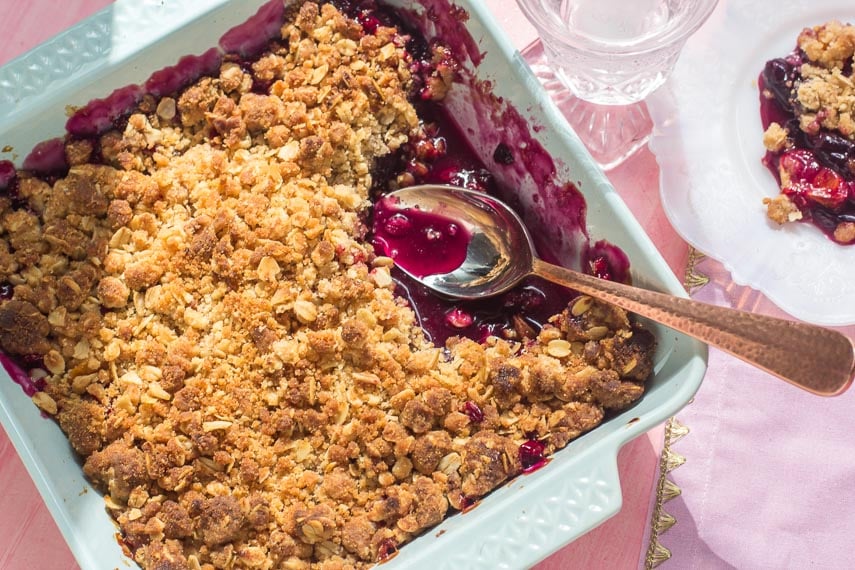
819,360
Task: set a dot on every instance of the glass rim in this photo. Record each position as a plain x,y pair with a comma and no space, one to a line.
592,45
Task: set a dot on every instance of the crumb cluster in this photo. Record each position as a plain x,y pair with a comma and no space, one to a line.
225,351
826,93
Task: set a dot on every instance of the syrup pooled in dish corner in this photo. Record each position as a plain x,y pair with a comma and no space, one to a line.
189,287
807,107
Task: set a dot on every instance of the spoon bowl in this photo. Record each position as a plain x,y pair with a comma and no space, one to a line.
500,253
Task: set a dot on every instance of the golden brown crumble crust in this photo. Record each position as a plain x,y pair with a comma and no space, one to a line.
781,209
227,354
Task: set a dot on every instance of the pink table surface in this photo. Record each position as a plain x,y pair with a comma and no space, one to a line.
768,470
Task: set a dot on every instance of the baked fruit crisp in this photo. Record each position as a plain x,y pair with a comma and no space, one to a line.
197,302
808,113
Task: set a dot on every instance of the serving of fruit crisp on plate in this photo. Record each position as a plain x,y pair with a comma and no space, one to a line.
808,113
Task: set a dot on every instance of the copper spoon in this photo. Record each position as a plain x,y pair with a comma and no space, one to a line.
501,253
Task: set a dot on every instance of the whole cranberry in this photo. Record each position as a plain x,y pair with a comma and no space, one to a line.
532,455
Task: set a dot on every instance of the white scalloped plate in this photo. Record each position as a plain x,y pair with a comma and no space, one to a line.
708,142
514,527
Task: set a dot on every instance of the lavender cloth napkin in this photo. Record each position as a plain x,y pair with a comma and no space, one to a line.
769,477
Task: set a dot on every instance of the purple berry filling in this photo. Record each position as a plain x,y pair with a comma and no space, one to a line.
471,409
420,242
19,375
386,550
250,38
47,158
8,174
532,455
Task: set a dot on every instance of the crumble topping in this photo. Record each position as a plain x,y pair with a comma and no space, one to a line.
781,209
830,45
845,232
827,98
776,138
227,353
